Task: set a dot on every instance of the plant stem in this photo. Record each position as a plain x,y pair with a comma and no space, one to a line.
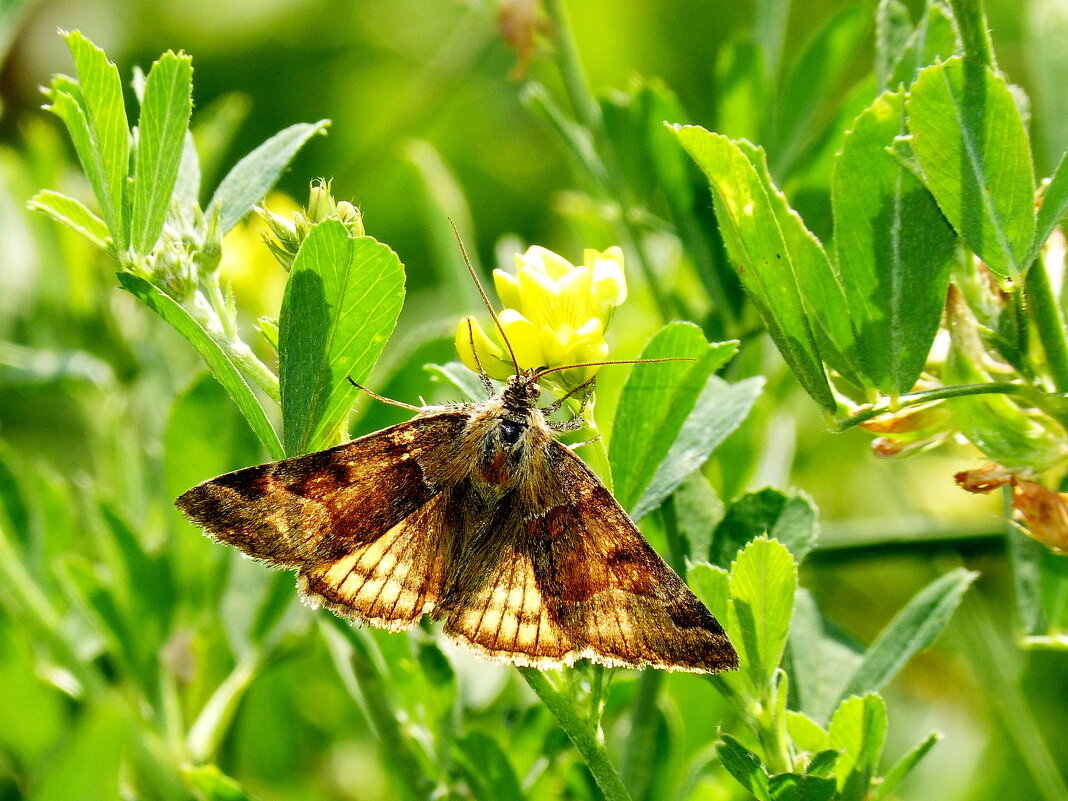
637,756
974,33
211,725
990,660
35,608
584,736
925,396
578,88
364,681
1048,322
588,113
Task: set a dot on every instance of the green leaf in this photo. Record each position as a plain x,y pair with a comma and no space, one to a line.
933,39
806,734
187,184
791,519
698,510
762,584
904,767
858,730
341,304
96,597
820,658
756,244
104,144
576,140
745,766
718,411
73,214
209,783
741,89
459,376
217,360
161,135
970,141
252,177
655,403
822,764
91,757
1053,208
821,288
488,770
796,787
815,83
894,250
915,627
893,28
711,584
148,592
444,203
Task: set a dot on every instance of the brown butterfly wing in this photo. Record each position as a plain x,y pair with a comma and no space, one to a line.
365,522
575,579
494,603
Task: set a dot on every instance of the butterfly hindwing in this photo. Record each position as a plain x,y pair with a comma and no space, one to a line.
612,592
570,578
501,612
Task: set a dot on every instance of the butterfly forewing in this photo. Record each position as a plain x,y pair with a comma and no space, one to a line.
315,510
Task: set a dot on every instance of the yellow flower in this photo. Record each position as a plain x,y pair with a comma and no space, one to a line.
555,314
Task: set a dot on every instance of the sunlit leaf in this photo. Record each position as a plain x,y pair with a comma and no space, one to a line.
894,251
655,403
762,585
221,366
252,177
969,139
161,138
756,245
341,304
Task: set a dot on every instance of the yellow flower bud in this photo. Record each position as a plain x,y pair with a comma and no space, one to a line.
493,358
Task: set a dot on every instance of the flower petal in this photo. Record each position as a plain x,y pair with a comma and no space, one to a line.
490,354
609,282
523,336
544,261
509,289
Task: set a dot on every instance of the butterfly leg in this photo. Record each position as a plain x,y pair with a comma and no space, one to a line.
384,399
577,421
585,387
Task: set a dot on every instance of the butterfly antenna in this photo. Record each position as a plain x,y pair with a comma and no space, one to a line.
547,370
485,298
482,374
384,399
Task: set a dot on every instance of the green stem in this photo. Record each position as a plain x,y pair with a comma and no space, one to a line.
365,682
35,608
991,659
637,759
928,395
1048,322
578,88
588,113
974,33
214,720
597,449
584,736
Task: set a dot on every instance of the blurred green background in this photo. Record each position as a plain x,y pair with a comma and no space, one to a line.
425,98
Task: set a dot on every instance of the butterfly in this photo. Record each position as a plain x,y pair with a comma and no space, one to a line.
476,515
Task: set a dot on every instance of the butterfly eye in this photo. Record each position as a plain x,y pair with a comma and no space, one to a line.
510,432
